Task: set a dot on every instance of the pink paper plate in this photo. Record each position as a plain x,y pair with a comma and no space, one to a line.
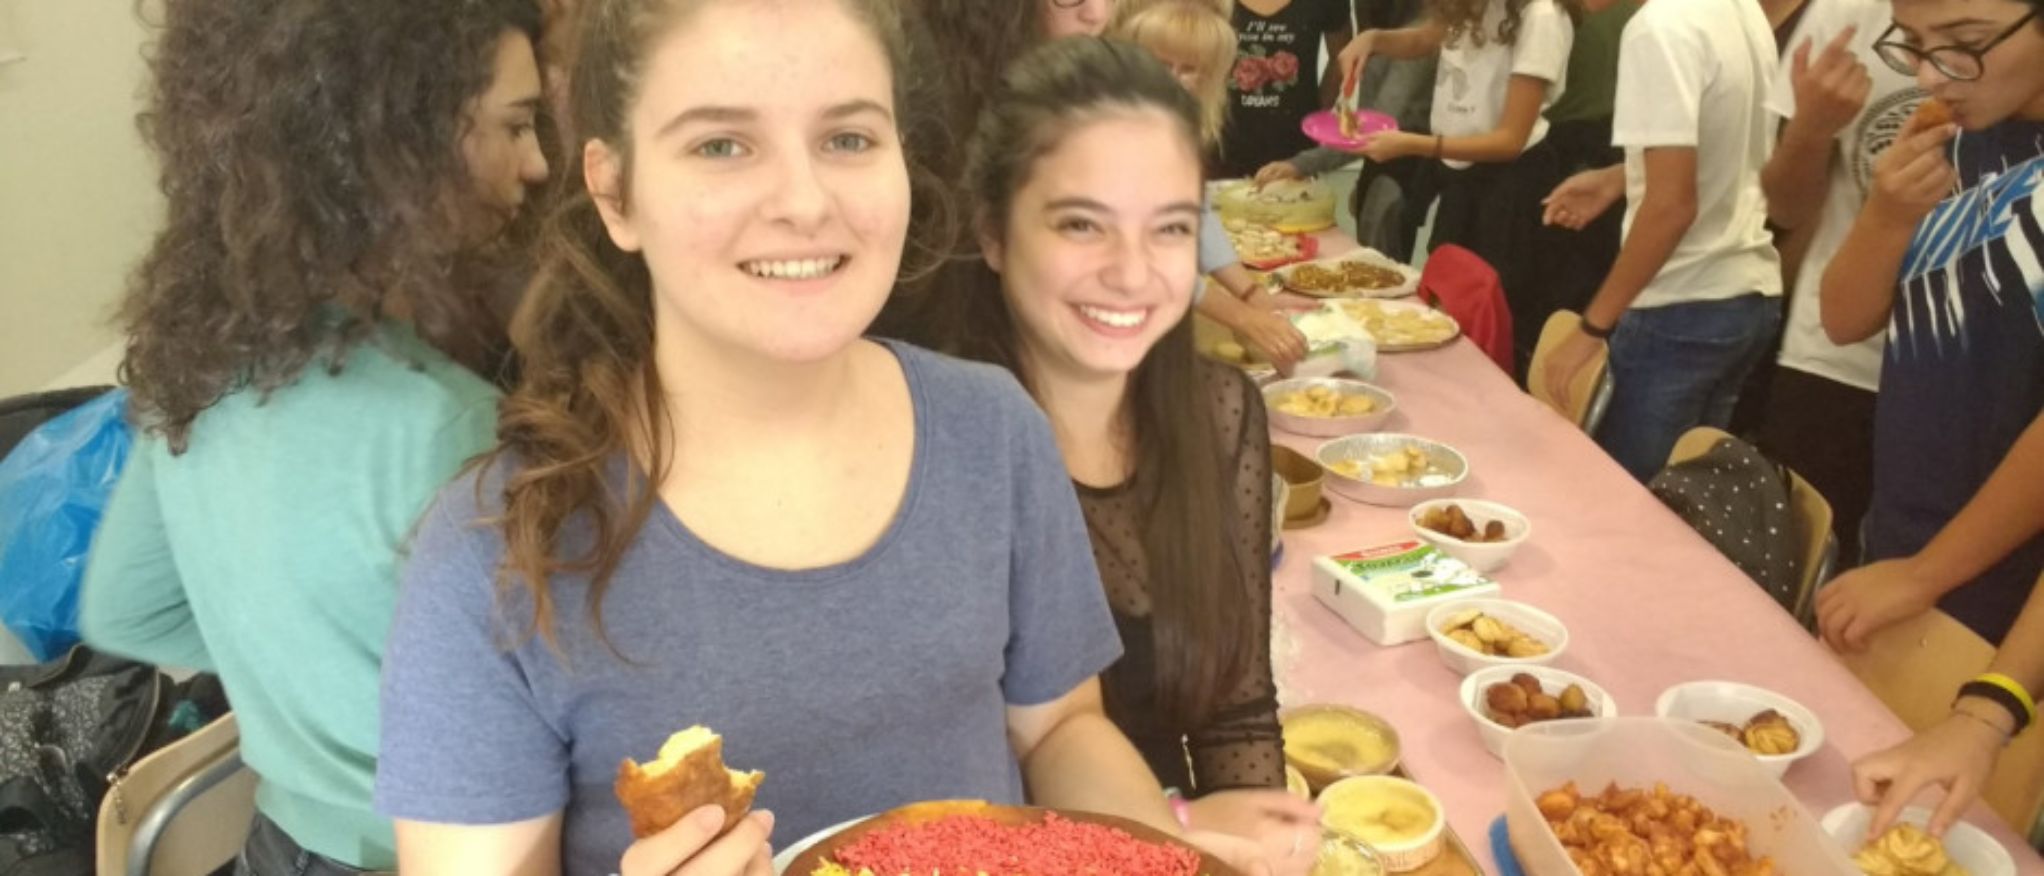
1326,130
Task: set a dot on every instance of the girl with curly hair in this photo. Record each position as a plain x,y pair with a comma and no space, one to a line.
1501,64
309,342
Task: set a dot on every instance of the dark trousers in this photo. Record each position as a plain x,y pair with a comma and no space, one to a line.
1824,430
1494,211
1578,261
270,851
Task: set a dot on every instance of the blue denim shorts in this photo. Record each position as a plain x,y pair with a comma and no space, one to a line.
1677,367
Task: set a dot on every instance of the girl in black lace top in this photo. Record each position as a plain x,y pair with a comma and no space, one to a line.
1084,171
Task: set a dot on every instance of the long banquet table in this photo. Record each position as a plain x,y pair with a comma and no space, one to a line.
1647,602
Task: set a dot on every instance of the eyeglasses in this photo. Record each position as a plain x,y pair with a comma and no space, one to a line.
1957,63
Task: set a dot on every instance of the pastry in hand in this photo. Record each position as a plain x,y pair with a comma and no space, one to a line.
1931,113
688,774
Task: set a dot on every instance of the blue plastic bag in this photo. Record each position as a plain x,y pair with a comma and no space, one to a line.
53,487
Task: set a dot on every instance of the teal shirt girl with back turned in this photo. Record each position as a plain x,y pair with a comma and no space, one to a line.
306,343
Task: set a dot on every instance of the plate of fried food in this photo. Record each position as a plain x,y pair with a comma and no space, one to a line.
1482,534
1326,407
1474,634
974,836
1384,468
1363,273
1907,849
1401,326
1265,248
1502,699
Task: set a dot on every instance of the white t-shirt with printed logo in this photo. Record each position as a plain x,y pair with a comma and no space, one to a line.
1695,73
1471,81
1894,96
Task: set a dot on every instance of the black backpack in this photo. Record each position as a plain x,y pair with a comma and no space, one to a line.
68,729
1738,500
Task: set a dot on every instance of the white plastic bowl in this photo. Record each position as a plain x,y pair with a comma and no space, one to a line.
1481,556
1968,846
1552,681
1525,618
1733,703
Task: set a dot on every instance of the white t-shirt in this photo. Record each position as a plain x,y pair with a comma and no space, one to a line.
1894,96
1694,73
1470,83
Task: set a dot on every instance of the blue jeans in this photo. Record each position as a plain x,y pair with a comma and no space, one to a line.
1677,367
270,851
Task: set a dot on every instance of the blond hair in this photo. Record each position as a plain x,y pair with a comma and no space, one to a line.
1188,30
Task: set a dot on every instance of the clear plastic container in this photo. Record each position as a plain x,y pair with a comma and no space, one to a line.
1689,758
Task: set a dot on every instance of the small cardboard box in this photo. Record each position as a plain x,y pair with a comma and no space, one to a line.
1385,592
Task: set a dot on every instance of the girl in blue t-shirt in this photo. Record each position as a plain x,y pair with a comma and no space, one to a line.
714,503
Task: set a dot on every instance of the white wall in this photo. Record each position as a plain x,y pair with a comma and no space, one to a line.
78,199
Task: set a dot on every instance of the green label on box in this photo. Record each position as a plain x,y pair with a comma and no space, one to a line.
1410,571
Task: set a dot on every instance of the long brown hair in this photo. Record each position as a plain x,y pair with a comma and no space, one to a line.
971,42
588,393
1195,577
311,166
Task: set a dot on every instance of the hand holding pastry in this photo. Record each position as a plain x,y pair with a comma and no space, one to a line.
1912,176
1957,753
693,847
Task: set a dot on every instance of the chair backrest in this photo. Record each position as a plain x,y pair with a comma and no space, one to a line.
1467,288
21,414
1696,442
1809,510
1591,382
1812,513
182,811
1916,667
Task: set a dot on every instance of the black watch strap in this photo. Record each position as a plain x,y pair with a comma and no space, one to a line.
1594,331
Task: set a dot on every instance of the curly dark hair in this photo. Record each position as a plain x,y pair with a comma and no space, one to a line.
1462,18
310,155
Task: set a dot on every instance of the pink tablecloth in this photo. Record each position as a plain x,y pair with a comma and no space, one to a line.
1648,604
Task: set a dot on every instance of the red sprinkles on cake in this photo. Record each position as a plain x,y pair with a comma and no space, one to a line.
970,845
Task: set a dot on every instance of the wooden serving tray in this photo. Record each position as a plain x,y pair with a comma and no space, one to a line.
806,863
